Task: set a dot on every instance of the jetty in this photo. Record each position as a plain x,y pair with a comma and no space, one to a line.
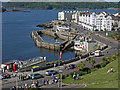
39,42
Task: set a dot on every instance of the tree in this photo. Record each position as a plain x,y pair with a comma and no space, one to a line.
80,66
92,61
104,59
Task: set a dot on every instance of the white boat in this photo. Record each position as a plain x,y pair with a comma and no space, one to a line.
78,45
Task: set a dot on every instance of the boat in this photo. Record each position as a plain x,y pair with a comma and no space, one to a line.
78,45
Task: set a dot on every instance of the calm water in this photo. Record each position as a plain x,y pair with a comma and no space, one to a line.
16,40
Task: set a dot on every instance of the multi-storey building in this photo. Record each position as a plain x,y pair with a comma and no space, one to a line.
88,20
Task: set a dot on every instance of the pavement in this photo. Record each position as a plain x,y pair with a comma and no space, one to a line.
113,48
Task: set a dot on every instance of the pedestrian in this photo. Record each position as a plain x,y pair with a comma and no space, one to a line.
26,85
33,85
20,76
22,88
52,76
111,70
37,83
54,64
59,82
43,81
47,81
77,76
53,81
56,81
108,71
74,75
59,63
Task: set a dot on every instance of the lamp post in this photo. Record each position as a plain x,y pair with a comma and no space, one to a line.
16,79
60,71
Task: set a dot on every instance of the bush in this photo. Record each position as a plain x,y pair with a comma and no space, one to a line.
93,69
67,75
87,70
63,76
78,72
103,64
71,74
97,66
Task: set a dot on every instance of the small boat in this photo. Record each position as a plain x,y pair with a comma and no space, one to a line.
78,45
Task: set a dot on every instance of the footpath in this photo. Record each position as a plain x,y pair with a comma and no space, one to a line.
13,80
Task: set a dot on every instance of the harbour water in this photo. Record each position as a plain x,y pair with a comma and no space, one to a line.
16,40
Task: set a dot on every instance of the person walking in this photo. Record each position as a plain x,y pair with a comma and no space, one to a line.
43,81
37,83
77,76
47,81
111,70
54,64
53,81
52,76
74,75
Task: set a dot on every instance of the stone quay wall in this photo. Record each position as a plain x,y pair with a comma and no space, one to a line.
39,42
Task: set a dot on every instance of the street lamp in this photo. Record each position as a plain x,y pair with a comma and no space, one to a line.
60,71
16,78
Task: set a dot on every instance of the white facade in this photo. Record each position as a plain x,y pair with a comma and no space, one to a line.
89,20
96,21
61,15
86,45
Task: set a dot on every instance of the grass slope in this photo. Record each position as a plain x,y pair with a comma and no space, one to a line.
97,78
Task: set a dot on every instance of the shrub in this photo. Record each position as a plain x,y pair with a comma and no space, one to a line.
63,76
97,66
103,64
71,74
67,75
80,65
87,70
93,69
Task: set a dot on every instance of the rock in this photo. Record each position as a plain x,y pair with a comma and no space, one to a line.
46,25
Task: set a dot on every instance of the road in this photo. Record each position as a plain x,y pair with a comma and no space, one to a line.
114,46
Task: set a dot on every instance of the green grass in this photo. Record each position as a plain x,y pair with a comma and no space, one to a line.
113,84
98,76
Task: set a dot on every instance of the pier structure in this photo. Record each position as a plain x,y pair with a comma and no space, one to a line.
39,42
68,39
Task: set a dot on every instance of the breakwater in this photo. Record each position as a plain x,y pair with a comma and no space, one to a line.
39,42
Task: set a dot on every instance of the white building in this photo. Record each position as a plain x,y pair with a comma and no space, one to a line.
85,45
61,15
89,20
95,21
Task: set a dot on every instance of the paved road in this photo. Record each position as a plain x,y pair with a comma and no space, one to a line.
108,52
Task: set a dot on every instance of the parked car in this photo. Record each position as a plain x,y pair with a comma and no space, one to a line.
35,75
50,72
6,75
71,66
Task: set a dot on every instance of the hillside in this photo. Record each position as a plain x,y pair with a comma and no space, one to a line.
99,78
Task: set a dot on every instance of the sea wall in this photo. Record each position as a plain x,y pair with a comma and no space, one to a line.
39,42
